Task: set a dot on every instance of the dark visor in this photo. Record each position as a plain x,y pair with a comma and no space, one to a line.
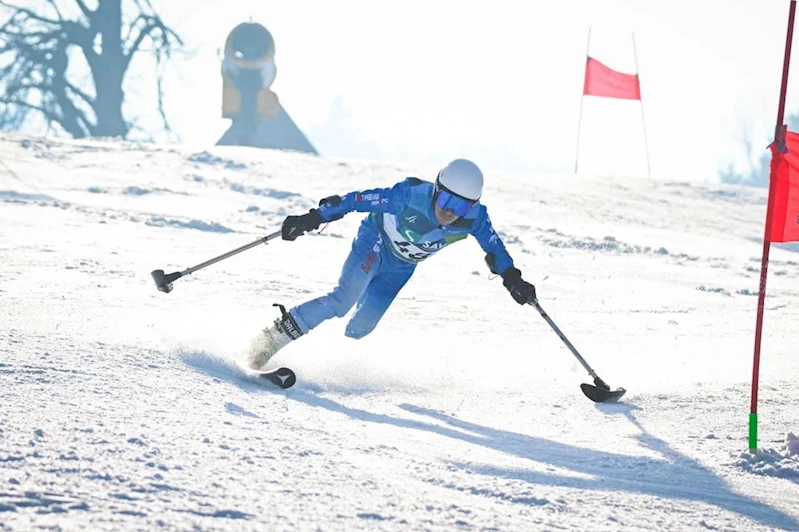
450,201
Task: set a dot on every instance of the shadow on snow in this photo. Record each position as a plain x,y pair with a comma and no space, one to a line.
675,477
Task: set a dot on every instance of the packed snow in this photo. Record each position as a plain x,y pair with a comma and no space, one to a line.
127,408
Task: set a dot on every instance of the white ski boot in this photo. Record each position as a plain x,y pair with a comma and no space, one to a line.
272,340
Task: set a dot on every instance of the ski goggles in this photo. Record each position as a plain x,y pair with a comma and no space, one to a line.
449,201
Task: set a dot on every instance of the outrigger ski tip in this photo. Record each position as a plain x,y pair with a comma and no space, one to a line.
601,393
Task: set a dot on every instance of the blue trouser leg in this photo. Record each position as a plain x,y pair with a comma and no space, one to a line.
362,265
378,296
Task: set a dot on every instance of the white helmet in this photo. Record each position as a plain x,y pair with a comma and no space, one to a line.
463,178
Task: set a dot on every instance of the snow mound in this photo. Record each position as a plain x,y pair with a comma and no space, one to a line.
782,462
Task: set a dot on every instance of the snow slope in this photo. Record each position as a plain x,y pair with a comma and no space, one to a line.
124,408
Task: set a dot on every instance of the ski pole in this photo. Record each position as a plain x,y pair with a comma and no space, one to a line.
164,281
600,392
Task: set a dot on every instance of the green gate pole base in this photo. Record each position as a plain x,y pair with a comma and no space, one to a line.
753,432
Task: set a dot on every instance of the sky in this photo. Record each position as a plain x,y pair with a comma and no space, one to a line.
425,82
124,408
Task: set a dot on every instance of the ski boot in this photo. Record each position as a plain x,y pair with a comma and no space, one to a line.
272,340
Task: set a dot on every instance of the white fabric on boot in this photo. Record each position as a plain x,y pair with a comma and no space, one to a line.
265,345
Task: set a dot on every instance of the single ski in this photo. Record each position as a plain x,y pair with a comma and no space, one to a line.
282,377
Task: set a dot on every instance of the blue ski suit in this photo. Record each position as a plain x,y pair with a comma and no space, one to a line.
400,231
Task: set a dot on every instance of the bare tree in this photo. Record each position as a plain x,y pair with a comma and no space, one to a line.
759,164
38,46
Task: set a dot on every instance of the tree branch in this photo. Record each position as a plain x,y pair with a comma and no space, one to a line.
149,26
34,60
57,11
30,14
66,33
84,9
11,101
72,119
151,23
161,111
40,38
127,38
79,35
83,96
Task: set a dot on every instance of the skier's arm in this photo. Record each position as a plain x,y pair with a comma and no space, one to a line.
500,261
392,200
491,243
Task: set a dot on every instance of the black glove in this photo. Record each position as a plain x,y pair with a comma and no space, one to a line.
296,226
522,291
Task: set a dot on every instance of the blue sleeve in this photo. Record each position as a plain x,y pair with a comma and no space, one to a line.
392,200
490,242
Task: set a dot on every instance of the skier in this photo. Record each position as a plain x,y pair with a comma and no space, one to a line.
407,223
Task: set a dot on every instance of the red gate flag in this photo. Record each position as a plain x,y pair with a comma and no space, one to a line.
603,81
785,170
